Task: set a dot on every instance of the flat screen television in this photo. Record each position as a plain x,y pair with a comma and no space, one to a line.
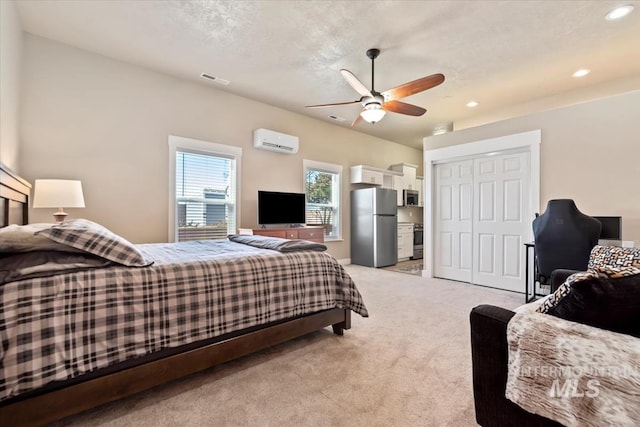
281,208
611,227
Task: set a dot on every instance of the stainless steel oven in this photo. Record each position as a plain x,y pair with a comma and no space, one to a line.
417,241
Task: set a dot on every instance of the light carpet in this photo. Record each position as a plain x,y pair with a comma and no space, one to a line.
408,364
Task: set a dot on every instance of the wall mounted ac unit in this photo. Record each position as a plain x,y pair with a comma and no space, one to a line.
266,139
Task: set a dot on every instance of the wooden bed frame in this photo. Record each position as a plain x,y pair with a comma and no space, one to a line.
57,404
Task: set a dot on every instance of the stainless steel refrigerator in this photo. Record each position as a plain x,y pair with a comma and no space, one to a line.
374,227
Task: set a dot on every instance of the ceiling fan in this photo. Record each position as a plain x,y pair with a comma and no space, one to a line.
376,104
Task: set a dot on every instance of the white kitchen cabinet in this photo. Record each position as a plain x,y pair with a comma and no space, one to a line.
405,241
364,175
419,185
398,185
408,181
388,180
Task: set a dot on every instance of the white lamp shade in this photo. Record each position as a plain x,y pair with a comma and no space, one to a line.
372,113
58,193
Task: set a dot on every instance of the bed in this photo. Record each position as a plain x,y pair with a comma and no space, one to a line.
149,314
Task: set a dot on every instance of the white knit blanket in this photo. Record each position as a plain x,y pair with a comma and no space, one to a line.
575,374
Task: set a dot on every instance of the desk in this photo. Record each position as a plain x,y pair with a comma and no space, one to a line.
534,295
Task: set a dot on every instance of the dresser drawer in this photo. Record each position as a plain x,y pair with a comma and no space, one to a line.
291,234
313,234
272,233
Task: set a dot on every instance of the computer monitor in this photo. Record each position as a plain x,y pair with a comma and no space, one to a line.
611,227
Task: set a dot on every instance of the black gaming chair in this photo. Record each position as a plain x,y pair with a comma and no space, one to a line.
564,237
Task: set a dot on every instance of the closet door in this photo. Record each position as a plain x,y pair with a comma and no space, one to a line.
453,221
501,197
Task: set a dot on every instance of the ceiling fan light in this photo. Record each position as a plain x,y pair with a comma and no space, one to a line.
372,113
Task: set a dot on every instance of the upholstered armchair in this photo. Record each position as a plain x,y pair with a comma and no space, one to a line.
610,302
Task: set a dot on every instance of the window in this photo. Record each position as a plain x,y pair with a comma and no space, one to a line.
322,189
203,199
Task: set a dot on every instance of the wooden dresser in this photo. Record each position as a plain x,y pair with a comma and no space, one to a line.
314,234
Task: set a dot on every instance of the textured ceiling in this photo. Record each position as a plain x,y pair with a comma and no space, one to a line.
289,53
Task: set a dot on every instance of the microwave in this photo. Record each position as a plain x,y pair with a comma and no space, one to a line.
409,197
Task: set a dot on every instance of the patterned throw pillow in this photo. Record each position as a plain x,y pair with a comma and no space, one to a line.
97,240
613,257
564,290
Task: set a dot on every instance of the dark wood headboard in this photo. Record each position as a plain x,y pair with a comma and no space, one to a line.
14,198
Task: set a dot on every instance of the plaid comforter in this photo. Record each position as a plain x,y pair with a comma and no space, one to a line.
59,327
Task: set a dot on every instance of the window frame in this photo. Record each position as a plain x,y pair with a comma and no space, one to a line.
327,168
179,143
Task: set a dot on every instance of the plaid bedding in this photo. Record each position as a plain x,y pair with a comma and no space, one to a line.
62,326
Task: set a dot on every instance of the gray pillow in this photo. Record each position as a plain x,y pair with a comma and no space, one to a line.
29,265
604,302
23,238
277,243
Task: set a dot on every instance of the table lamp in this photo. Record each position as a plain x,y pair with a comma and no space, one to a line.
58,193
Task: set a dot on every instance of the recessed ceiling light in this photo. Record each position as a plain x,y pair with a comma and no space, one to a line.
581,73
619,12
472,104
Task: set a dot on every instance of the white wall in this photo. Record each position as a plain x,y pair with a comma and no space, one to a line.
559,100
590,153
10,70
106,123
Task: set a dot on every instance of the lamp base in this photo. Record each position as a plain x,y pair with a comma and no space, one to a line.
60,216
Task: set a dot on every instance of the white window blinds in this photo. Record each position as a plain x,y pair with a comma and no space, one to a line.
205,197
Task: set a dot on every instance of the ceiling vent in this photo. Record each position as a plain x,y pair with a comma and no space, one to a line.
266,139
443,128
215,79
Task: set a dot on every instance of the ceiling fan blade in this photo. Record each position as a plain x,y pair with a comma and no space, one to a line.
355,83
403,108
413,87
357,120
334,104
